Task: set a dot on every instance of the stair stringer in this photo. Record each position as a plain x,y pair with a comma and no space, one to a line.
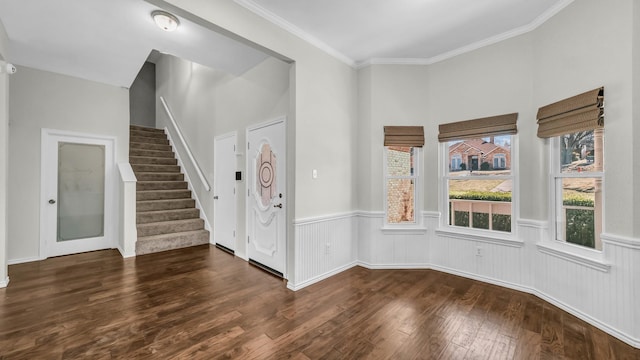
187,178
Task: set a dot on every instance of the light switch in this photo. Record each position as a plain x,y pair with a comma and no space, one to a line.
314,174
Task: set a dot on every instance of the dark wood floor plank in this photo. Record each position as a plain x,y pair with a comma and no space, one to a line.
202,303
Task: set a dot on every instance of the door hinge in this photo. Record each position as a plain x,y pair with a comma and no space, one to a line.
234,191
248,192
248,240
234,233
248,146
234,148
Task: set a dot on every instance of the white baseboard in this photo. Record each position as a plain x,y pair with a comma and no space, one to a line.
124,254
296,287
4,283
393,266
23,260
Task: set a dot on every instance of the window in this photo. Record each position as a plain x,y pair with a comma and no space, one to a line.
499,162
478,195
400,182
576,127
456,162
578,177
401,151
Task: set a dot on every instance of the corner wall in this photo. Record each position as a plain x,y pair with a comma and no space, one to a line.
41,99
4,157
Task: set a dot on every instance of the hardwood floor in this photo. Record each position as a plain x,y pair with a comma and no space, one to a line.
202,303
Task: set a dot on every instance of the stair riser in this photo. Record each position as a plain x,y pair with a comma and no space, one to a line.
148,140
152,160
148,132
155,168
160,185
143,146
164,205
169,227
144,246
159,177
163,195
169,215
151,153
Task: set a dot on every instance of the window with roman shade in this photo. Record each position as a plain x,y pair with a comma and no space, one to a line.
576,128
582,112
402,146
479,172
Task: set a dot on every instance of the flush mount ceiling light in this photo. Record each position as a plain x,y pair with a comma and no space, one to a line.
165,21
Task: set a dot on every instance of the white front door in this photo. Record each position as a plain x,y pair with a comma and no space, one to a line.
266,205
77,193
224,203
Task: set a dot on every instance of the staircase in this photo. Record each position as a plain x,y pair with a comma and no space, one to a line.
166,214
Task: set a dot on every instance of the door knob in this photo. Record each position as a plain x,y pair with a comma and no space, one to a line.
51,201
278,206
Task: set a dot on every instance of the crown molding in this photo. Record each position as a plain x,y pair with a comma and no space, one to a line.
289,27
284,24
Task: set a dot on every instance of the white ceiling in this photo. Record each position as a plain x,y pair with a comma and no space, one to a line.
109,40
404,31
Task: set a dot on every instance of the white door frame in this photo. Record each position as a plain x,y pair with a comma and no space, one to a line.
48,137
282,119
216,190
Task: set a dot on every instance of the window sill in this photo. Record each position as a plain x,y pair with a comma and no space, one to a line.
589,258
413,230
500,239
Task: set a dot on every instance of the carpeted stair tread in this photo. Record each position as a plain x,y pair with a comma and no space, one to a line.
161,185
169,227
158,176
151,153
157,243
163,194
166,215
147,146
152,160
155,168
167,204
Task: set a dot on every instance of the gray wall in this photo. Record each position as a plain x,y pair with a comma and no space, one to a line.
142,97
41,99
516,75
207,103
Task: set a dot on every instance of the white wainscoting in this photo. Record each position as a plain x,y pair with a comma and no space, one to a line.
324,246
605,294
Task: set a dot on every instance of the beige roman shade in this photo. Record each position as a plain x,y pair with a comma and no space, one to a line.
579,113
476,128
404,136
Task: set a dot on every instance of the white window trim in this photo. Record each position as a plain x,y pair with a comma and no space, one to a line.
561,246
417,225
443,202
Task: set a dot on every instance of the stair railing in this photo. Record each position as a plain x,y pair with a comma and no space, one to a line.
184,144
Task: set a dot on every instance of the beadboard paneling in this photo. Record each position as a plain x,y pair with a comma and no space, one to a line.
323,247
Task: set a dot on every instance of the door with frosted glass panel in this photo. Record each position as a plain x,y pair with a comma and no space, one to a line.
77,194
